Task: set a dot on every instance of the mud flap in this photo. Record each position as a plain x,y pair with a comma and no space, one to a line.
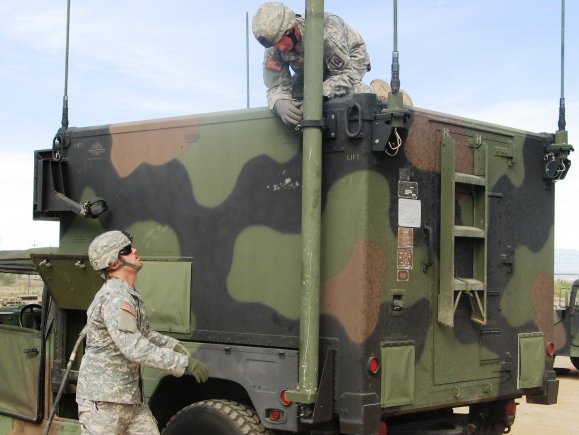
550,391
531,360
397,374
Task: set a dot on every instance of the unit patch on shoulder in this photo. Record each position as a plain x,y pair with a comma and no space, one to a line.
129,309
337,61
274,65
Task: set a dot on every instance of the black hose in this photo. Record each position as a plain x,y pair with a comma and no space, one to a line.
65,377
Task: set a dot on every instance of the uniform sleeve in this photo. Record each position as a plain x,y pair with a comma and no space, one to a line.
277,77
341,73
155,337
120,317
161,340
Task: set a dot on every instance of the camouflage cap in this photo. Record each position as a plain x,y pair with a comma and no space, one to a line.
104,249
271,21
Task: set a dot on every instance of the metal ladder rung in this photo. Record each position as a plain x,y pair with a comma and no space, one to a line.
468,284
469,179
452,288
472,232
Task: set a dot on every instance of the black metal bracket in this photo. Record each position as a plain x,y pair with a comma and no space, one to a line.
60,143
323,408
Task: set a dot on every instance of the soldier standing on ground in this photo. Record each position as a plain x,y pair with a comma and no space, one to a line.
281,32
118,341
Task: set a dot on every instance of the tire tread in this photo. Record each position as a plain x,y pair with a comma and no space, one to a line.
243,417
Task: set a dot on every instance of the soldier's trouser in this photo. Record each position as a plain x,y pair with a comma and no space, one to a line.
106,418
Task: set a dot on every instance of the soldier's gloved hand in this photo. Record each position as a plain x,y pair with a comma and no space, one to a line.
289,111
195,367
198,370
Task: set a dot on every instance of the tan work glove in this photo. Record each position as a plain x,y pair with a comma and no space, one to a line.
195,367
289,111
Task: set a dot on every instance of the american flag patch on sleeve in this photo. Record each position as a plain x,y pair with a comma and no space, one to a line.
274,65
129,309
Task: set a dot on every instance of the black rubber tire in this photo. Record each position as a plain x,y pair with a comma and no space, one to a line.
216,417
575,361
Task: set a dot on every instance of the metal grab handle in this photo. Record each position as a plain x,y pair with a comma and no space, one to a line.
430,261
31,350
57,147
349,110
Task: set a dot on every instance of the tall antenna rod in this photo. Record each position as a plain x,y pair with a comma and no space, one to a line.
398,114
556,157
395,81
64,121
247,55
562,122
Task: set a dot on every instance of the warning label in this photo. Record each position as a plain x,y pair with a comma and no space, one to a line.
405,237
405,260
403,275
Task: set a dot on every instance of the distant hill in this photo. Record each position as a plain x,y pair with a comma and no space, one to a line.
567,264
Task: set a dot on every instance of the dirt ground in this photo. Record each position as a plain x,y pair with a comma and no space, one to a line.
559,419
24,286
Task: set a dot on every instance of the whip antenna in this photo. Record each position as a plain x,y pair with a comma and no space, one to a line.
247,55
64,121
398,114
556,156
59,143
395,80
562,122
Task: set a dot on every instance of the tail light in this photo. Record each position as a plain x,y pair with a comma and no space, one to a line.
275,415
383,428
511,408
550,349
373,365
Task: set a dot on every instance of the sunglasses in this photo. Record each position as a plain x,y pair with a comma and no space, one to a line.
126,250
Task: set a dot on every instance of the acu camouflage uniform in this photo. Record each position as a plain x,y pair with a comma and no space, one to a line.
346,60
118,341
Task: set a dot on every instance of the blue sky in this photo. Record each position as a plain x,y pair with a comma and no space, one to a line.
493,60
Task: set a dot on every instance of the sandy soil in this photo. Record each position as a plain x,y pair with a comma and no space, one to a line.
559,419
24,286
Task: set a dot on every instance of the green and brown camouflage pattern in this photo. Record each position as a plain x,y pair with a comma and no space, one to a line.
221,193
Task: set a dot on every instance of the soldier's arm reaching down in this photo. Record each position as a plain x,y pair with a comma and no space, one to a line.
120,318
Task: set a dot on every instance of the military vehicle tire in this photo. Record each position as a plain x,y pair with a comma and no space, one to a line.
216,417
575,361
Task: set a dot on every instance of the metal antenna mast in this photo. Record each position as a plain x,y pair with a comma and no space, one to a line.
562,122
398,114
247,55
395,80
59,143
64,122
556,157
